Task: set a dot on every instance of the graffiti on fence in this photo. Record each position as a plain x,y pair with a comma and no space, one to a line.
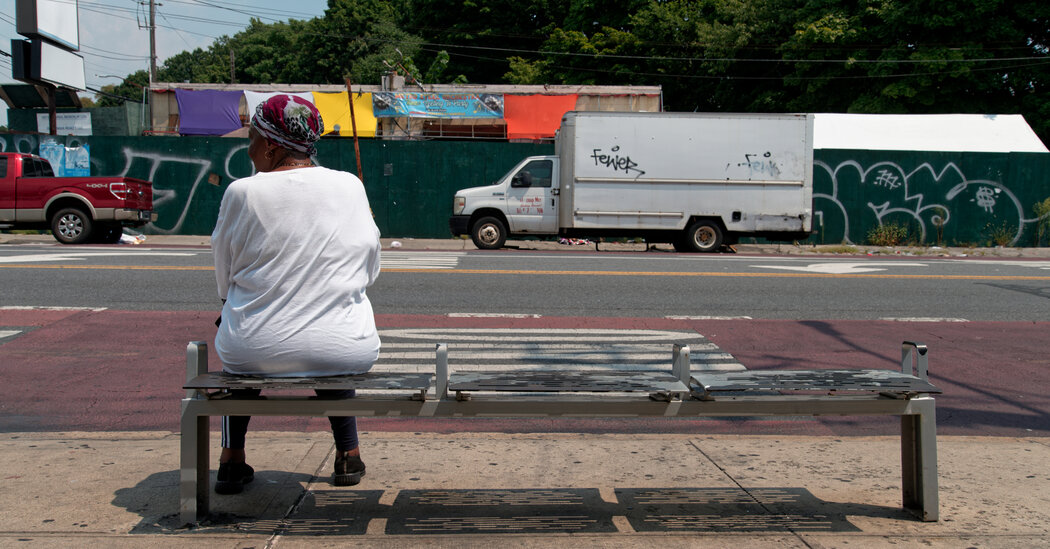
926,199
949,198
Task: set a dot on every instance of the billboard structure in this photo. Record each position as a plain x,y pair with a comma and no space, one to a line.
40,62
48,58
53,20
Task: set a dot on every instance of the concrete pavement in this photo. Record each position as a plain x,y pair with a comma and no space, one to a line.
120,489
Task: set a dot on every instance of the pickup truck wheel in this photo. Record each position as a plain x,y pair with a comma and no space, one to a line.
71,226
488,233
704,236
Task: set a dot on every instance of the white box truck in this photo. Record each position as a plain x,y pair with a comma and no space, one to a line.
696,180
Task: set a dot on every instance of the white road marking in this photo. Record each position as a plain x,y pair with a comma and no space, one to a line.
679,317
923,319
546,349
81,256
419,260
492,315
516,335
34,308
9,333
842,267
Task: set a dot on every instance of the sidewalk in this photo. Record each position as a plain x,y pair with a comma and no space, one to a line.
526,490
460,244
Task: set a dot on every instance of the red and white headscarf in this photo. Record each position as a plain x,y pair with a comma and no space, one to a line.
289,121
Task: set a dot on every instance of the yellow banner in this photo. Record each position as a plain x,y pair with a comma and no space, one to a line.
335,111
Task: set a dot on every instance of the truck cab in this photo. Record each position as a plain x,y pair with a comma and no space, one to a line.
523,201
77,209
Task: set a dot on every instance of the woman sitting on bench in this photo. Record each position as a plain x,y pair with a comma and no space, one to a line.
295,248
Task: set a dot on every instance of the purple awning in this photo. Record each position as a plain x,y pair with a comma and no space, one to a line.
208,112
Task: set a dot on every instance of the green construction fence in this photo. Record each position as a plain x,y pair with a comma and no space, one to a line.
940,198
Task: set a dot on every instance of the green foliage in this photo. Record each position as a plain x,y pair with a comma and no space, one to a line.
840,249
958,56
523,71
1001,235
1042,212
130,89
888,234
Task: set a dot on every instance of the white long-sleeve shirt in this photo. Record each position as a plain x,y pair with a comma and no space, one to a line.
294,252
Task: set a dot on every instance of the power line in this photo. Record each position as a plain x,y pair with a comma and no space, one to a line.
254,13
181,37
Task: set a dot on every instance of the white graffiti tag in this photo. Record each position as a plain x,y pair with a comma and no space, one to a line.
887,179
985,198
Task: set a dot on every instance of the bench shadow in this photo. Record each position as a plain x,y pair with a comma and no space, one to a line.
263,503
327,511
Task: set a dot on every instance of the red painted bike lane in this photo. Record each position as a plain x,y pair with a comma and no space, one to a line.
123,371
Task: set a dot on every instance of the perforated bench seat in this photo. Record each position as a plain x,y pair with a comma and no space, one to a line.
887,382
617,381
217,384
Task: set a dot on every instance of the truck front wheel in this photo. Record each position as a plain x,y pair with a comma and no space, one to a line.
703,236
488,233
71,226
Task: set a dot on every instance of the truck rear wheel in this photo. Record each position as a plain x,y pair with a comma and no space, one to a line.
71,226
488,233
703,236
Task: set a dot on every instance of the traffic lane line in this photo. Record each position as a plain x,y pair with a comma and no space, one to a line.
721,274
113,267
576,272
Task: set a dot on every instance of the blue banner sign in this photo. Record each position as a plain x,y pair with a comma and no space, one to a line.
67,161
437,105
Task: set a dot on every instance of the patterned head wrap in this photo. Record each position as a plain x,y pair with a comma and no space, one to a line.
289,121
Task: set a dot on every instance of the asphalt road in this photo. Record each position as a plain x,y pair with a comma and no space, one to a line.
92,338
569,284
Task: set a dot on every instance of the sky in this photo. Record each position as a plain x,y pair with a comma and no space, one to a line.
114,41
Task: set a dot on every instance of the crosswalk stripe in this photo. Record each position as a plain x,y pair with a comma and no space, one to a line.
419,260
472,349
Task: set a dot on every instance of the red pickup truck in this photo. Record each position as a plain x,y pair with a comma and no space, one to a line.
76,209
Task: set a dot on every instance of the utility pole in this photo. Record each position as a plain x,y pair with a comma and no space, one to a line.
152,42
353,125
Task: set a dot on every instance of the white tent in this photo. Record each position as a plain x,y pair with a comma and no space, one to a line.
925,132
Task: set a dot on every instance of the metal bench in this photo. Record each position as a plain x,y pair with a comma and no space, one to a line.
613,393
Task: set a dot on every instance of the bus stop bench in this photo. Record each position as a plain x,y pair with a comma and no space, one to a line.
612,393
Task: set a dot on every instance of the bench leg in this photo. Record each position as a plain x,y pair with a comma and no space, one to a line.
194,485
919,461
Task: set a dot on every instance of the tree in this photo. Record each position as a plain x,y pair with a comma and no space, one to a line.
479,35
354,39
963,56
211,66
873,56
130,89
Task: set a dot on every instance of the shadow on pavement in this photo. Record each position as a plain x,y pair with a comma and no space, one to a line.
423,512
